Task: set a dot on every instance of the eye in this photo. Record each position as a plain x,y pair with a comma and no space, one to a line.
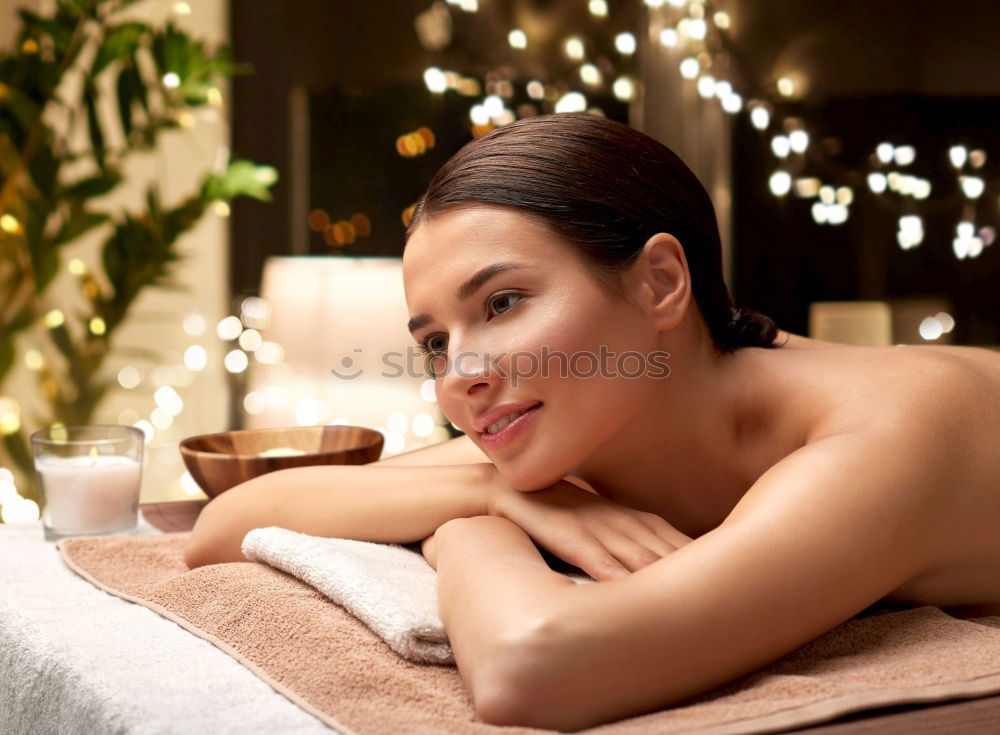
426,345
501,298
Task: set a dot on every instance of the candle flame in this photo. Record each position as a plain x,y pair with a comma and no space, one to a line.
93,451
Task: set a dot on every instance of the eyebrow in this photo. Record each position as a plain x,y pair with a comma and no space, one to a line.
464,291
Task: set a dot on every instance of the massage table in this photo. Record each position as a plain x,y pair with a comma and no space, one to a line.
74,659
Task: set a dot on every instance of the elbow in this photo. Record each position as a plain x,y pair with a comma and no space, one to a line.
212,542
194,554
218,549
508,692
508,702
497,701
199,550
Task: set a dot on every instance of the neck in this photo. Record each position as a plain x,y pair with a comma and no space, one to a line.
692,456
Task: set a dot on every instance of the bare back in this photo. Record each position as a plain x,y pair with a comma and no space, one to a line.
944,404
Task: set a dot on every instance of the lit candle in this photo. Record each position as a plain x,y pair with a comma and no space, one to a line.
91,494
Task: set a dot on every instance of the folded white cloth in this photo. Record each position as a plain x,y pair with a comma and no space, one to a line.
389,587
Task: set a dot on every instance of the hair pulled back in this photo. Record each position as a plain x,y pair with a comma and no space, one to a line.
605,188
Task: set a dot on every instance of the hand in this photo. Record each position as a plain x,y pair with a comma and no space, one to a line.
603,538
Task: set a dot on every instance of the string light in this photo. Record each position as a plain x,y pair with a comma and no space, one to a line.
798,141
884,152
128,377
236,361
572,102
668,37
589,74
690,67
574,49
904,155
229,328
194,325
195,358
598,8
972,186
691,30
760,117
435,80
623,89
780,183
911,231
780,146
958,155
625,43
706,85
10,224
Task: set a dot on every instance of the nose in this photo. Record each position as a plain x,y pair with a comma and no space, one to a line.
468,373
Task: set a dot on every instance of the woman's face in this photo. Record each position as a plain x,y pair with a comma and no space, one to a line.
542,331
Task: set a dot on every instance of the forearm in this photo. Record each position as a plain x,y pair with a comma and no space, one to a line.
494,590
367,503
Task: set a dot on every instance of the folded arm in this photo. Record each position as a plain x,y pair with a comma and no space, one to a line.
825,533
399,500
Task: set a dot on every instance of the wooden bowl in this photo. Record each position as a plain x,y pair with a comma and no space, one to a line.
217,462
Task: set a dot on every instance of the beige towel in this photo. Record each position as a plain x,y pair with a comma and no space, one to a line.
388,586
331,664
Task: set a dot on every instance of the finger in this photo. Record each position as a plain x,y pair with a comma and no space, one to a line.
632,527
587,553
664,530
630,553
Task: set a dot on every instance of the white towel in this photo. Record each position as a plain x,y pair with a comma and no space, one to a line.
391,588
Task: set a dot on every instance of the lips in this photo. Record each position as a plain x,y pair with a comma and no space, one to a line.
510,432
484,420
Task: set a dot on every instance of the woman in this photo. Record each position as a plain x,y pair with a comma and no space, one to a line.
736,490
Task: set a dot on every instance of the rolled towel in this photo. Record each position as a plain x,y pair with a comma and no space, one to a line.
391,588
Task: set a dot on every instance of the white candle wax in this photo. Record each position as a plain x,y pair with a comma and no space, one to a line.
95,494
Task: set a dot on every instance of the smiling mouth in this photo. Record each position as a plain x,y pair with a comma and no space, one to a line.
497,426
507,429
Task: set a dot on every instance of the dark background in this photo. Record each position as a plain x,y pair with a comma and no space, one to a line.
783,260
918,72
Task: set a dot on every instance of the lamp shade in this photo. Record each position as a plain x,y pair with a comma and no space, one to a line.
348,357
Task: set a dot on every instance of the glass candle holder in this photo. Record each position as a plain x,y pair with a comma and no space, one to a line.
88,479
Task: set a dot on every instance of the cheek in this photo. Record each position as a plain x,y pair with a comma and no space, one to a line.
451,408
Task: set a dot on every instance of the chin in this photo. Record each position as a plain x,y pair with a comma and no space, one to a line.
527,483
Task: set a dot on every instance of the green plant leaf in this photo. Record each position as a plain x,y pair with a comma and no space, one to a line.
241,178
129,90
80,221
7,353
63,341
59,30
44,168
36,214
93,124
119,44
93,186
24,109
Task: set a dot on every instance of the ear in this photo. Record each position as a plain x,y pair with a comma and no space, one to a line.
663,280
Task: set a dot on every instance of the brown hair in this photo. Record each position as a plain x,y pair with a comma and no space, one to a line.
605,188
